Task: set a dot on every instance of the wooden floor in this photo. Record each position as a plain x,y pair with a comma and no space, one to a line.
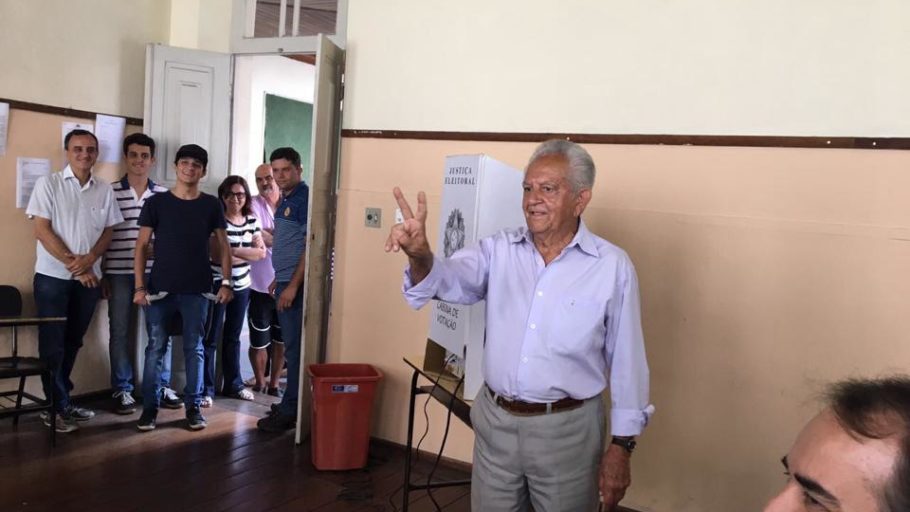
108,465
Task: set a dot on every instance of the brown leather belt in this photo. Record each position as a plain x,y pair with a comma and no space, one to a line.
534,409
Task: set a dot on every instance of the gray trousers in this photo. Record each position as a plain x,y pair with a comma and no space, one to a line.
550,461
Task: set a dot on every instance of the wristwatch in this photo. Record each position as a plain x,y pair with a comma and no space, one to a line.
226,282
628,443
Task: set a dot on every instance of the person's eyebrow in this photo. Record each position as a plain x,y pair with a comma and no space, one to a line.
811,485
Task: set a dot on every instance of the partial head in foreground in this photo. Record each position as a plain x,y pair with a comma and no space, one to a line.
854,456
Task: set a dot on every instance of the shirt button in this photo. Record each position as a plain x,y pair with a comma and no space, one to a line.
540,293
533,326
524,359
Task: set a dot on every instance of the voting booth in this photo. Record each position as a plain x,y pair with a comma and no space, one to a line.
480,196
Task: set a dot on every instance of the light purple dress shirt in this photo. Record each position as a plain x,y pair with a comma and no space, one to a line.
261,271
552,331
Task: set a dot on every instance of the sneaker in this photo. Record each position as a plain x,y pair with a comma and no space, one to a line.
147,420
195,419
206,402
124,403
170,400
244,394
276,392
78,413
63,423
276,422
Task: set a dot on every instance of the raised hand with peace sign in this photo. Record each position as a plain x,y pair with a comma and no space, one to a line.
410,236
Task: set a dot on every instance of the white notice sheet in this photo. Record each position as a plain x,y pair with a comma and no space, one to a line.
28,170
109,130
4,126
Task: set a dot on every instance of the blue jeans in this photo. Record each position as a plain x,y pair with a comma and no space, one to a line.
193,309
58,344
291,320
120,310
227,323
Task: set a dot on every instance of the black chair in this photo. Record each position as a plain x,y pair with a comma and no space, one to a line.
20,367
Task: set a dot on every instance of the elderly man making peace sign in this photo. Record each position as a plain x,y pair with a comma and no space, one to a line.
562,322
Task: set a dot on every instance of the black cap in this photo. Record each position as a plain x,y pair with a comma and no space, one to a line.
192,151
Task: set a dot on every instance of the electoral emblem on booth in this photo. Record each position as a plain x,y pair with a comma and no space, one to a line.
454,234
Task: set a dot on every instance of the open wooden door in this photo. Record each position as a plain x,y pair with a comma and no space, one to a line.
324,171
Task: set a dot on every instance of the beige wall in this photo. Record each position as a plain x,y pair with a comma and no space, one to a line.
200,24
764,274
87,55
812,67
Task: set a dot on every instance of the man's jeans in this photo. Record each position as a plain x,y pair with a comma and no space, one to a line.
227,324
58,344
120,312
291,320
193,309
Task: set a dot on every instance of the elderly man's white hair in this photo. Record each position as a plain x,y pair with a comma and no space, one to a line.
581,165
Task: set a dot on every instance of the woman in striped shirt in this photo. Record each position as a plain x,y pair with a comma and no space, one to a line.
243,233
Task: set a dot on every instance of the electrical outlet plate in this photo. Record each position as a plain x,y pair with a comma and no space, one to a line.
373,217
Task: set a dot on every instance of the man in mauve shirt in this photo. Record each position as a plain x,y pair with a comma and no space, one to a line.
563,323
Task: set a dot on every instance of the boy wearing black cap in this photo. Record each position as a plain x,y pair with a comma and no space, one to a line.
182,220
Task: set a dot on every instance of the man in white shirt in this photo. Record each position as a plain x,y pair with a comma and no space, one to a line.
74,215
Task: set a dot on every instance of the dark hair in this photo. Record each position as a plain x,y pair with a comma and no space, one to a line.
76,133
289,154
225,189
139,139
879,409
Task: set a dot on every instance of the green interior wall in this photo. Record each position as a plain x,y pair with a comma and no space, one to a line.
289,123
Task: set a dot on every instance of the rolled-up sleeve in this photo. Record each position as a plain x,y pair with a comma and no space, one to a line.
41,202
460,279
627,361
419,294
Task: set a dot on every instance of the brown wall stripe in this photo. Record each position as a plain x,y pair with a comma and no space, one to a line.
670,140
61,111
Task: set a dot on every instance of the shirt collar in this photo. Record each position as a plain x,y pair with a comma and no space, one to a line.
296,189
68,173
125,184
583,238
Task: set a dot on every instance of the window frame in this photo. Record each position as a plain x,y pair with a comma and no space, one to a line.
243,19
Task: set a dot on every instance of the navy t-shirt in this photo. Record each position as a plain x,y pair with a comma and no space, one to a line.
182,229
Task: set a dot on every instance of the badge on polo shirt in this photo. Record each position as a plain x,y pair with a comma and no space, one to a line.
287,211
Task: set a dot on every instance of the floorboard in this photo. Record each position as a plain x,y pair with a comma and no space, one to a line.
230,466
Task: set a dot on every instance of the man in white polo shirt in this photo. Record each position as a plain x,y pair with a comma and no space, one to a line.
74,215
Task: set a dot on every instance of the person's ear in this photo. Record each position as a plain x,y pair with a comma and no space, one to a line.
584,197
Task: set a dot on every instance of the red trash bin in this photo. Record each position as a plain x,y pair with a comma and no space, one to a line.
342,403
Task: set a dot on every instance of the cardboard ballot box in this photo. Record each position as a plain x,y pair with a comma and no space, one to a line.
480,196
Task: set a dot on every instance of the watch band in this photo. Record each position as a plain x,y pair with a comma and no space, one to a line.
226,282
628,443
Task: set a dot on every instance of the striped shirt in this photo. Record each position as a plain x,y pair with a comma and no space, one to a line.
239,236
119,256
289,239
